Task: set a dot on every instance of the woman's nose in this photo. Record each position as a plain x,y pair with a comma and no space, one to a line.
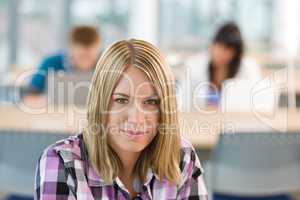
136,114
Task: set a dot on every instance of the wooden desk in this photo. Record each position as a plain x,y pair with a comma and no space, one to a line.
201,129
58,119
281,75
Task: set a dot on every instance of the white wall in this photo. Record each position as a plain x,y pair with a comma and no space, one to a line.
286,31
143,22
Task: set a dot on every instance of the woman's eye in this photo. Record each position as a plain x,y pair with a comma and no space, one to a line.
121,100
152,102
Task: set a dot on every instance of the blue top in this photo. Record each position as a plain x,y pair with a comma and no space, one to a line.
54,62
214,97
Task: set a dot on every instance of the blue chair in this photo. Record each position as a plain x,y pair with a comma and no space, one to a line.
255,166
228,197
11,94
19,197
19,152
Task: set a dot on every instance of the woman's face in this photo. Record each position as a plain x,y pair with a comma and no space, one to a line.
221,55
133,113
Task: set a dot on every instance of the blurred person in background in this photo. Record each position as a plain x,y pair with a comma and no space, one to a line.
225,61
84,49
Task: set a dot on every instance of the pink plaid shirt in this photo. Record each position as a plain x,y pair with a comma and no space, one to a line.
64,172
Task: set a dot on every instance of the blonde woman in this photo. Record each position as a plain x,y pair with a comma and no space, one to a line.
131,148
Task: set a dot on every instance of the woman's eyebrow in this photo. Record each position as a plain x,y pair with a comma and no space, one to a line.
121,94
153,96
127,96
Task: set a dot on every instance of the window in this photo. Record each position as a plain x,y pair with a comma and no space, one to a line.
42,25
3,34
111,16
39,28
195,21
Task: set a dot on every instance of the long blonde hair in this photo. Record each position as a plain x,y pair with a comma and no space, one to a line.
163,153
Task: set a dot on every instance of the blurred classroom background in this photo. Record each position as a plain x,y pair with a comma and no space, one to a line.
249,144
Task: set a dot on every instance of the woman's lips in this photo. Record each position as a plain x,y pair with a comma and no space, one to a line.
134,134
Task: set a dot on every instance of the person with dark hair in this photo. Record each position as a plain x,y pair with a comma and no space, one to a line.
83,51
226,54
208,73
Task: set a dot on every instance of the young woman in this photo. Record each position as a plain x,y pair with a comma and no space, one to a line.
131,147
225,61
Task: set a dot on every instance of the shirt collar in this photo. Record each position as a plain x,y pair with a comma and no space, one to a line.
95,180
73,148
69,149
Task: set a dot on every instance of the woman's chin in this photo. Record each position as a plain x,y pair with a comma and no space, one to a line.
136,148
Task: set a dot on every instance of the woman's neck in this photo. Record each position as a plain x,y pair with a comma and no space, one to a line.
126,175
128,160
220,75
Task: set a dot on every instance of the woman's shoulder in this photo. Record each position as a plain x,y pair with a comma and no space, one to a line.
67,149
190,166
185,143
187,149
189,157
56,168
250,69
